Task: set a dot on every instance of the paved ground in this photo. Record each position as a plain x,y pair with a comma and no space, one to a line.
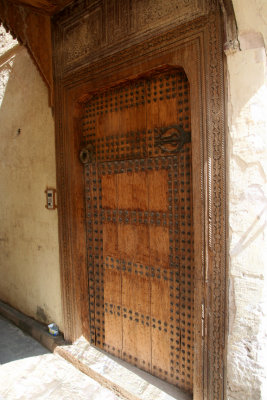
15,345
29,371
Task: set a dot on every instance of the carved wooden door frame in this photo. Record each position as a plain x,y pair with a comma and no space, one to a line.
196,47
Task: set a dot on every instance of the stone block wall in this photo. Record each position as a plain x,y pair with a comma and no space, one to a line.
247,163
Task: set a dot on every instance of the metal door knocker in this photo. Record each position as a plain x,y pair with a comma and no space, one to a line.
86,154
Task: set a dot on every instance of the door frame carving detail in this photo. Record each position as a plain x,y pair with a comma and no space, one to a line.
203,37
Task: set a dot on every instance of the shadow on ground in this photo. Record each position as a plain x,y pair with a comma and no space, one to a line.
16,345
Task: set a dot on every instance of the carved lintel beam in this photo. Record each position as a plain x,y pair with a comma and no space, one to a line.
43,6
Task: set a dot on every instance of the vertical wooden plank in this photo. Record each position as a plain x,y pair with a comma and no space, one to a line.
159,246
113,318
137,340
113,329
136,316
158,190
109,192
112,291
136,291
133,191
125,182
140,191
152,115
160,292
110,239
187,271
108,122
133,243
160,324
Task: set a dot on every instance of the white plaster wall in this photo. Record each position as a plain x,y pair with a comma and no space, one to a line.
6,41
29,252
247,110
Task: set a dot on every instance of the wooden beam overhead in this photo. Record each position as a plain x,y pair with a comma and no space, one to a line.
49,7
33,30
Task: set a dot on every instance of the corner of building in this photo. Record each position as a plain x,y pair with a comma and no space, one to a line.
247,166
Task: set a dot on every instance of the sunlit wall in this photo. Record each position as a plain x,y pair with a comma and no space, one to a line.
29,255
247,162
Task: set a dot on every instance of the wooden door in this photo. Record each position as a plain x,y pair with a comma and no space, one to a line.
137,166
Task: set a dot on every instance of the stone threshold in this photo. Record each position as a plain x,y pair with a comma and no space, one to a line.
126,380
117,375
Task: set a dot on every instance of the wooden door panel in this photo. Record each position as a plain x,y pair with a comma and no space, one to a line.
158,190
139,191
132,191
161,351
107,124
139,224
113,329
160,299
133,242
109,192
167,112
124,190
159,246
137,341
136,293
117,115
133,118
110,239
160,323
112,286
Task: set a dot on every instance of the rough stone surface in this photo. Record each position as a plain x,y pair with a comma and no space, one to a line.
29,371
29,251
121,378
247,339
30,326
16,345
131,382
6,41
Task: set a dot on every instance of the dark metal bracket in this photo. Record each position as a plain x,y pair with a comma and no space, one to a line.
171,139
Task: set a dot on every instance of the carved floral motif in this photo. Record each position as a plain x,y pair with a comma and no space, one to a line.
150,11
83,37
110,20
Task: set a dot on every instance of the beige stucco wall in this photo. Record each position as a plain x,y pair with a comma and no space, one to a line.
29,254
247,146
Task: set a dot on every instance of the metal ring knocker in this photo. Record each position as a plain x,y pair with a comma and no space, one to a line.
86,154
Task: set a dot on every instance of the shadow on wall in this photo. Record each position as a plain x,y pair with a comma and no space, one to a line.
255,229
